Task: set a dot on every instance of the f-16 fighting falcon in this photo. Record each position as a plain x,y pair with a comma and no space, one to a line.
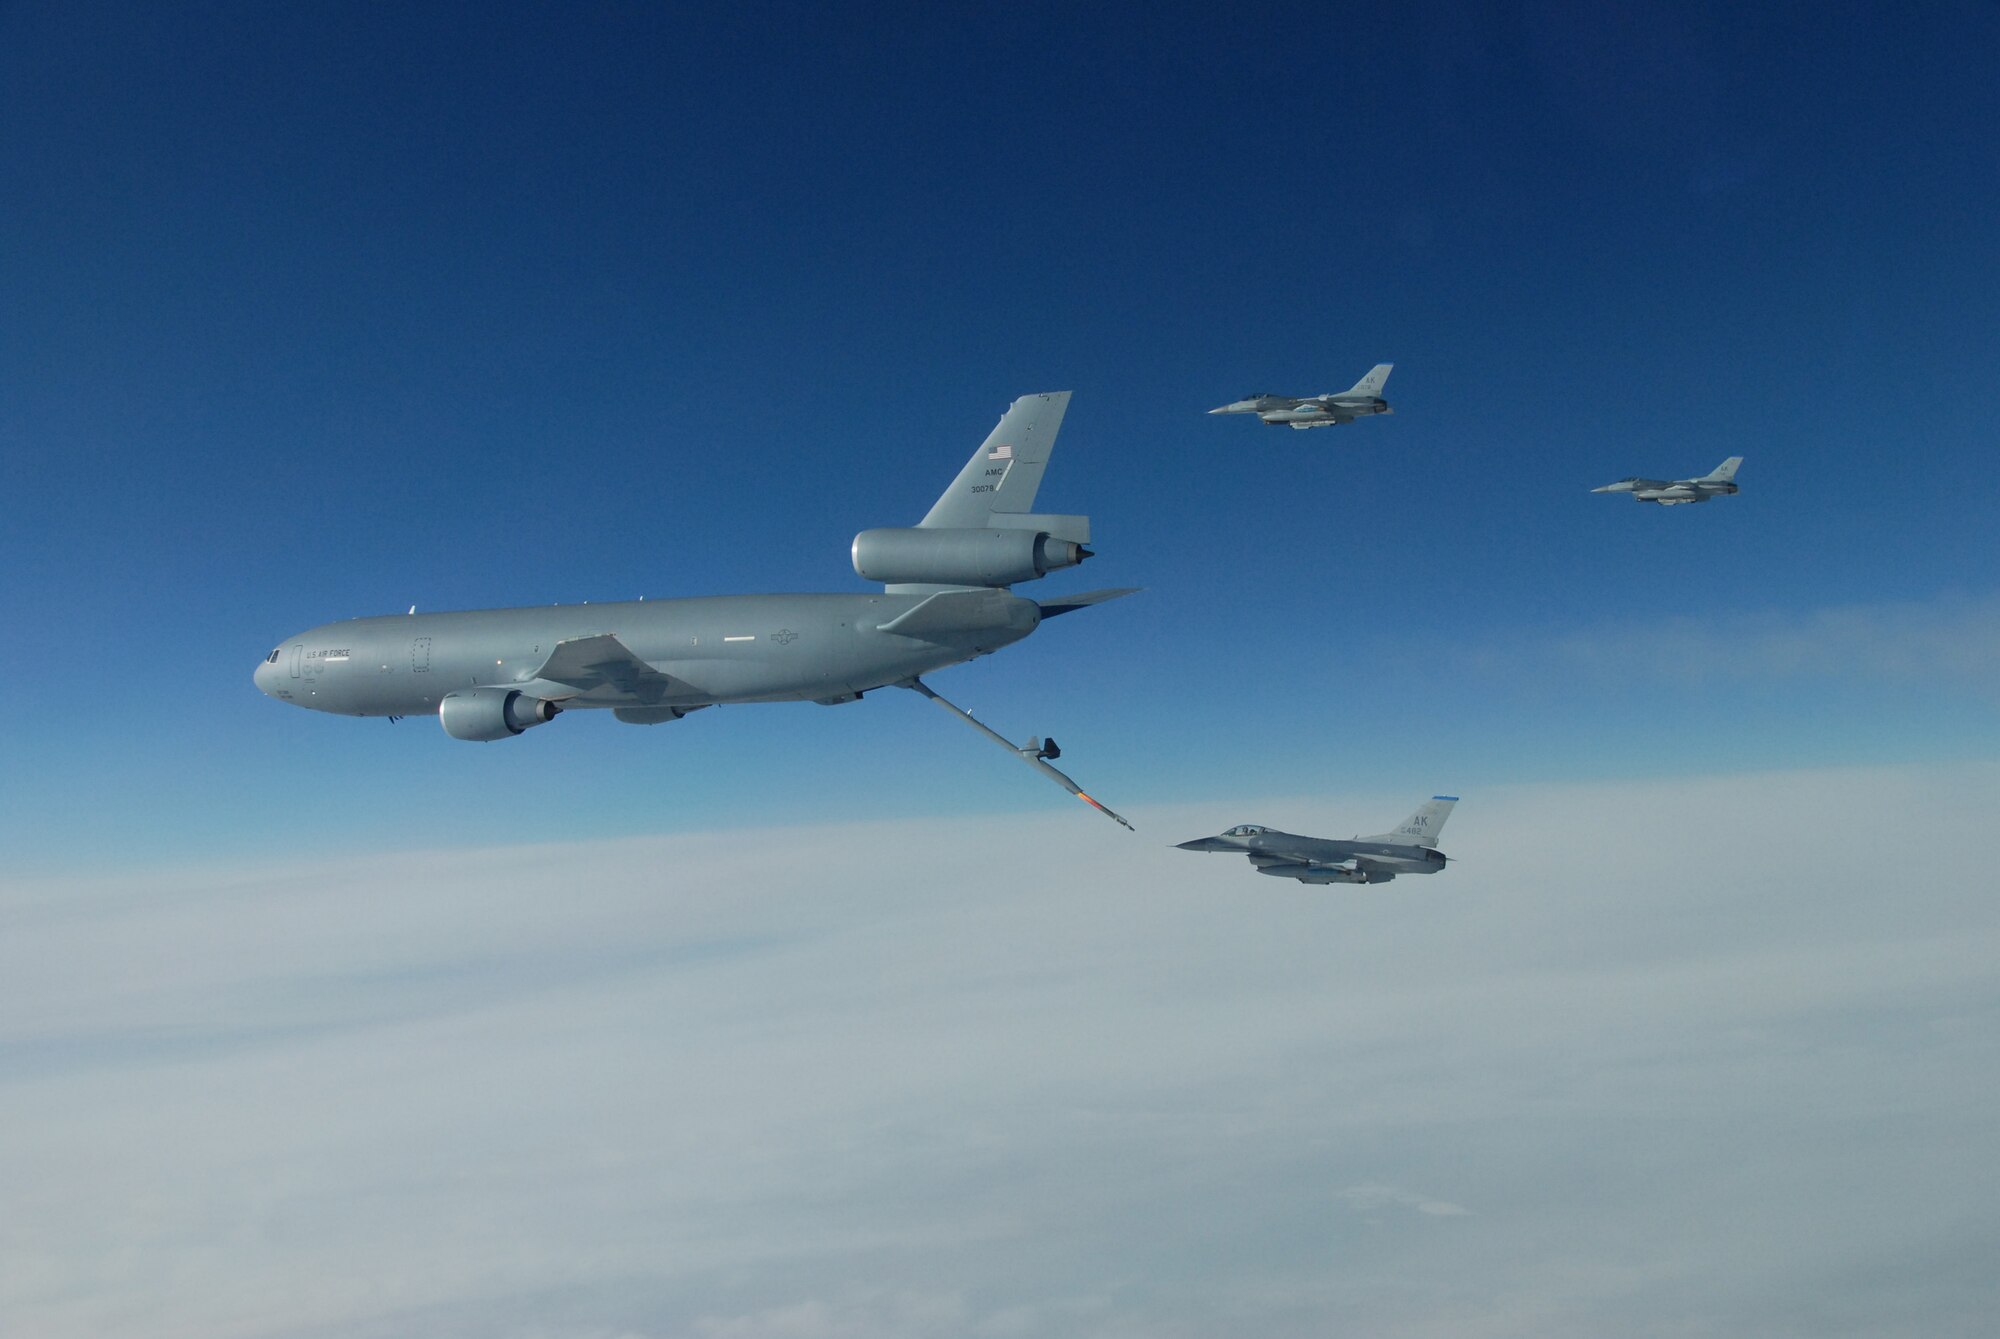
1410,849
1319,411
1718,482
493,673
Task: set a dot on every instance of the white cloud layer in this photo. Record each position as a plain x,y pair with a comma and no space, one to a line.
1675,1058
1952,642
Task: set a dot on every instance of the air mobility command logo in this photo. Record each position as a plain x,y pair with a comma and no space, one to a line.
1002,460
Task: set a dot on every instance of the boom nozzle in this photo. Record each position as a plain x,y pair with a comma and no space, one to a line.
1035,752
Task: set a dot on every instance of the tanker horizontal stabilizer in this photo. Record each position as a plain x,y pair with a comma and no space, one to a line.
952,611
1069,604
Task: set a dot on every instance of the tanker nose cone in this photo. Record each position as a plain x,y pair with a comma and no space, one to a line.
262,678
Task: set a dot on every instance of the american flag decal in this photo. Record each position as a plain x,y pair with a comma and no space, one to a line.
1001,452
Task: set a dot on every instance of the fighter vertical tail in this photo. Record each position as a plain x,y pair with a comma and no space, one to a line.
1371,384
1422,827
1725,472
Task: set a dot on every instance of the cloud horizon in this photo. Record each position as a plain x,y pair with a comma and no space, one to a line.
1653,1057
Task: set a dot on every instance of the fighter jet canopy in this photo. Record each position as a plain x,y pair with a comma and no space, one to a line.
1246,830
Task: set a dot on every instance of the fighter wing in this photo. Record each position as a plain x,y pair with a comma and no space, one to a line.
588,663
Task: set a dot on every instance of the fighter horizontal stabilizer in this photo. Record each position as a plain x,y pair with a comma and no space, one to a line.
587,663
1069,604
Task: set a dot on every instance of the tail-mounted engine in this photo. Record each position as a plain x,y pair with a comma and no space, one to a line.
961,557
492,713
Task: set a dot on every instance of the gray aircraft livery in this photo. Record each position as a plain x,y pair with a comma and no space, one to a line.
493,673
1718,482
1361,399
1410,849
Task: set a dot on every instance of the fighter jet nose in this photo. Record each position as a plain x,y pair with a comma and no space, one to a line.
1220,410
1198,844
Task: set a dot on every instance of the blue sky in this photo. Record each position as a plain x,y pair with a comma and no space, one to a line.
815,1023
319,313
